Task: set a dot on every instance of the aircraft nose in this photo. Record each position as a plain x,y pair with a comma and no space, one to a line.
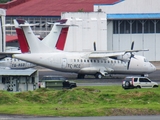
153,68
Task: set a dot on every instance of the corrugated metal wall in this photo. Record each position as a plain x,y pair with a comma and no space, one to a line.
91,27
131,6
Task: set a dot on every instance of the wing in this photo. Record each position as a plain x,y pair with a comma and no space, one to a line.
102,54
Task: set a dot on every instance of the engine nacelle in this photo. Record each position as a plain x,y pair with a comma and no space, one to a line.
125,57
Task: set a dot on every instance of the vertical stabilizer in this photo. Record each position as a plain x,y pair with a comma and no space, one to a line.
62,39
21,38
35,45
55,39
57,36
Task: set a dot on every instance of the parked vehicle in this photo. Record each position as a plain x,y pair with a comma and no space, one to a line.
56,82
138,82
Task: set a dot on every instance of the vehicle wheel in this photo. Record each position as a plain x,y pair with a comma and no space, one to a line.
71,87
80,76
138,87
155,86
127,84
98,75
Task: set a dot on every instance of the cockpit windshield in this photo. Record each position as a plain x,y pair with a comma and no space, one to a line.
145,60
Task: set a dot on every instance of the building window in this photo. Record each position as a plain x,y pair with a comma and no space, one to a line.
149,26
42,29
158,27
136,26
124,27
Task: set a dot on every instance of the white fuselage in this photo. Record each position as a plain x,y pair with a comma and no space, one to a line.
79,62
12,63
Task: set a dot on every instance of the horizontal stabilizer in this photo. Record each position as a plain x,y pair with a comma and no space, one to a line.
9,25
26,25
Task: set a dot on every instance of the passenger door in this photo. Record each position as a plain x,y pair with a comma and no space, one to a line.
144,82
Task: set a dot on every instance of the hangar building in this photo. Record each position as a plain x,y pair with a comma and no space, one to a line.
113,24
126,21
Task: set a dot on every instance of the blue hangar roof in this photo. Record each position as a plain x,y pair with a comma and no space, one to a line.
134,16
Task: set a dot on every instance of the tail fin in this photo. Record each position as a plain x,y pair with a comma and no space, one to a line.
62,39
35,45
57,36
21,38
55,39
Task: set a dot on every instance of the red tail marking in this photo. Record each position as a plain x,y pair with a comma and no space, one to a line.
22,41
62,39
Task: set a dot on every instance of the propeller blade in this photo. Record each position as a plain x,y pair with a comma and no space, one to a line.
128,64
132,45
94,46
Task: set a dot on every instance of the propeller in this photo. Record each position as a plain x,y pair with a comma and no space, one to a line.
94,46
131,56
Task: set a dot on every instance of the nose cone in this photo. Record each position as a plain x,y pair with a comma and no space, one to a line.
152,68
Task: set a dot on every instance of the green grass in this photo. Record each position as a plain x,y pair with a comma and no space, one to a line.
82,101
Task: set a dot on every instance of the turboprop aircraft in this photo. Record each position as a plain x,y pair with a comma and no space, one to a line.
84,63
56,39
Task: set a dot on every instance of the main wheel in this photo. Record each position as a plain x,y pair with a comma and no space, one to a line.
138,87
98,75
80,76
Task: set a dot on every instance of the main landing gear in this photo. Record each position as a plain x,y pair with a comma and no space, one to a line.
97,76
80,76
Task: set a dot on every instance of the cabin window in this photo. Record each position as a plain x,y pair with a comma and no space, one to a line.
94,60
87,60
91,60
81,60
74,60
84,60
101,61
97,61
77,60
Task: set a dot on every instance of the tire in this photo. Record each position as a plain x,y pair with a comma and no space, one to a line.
80,76
138,87
127,84
71,87
98,75
155,86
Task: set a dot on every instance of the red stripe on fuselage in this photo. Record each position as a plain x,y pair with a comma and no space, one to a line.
62,39
22,41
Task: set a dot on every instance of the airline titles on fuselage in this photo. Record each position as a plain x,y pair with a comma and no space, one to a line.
71,66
